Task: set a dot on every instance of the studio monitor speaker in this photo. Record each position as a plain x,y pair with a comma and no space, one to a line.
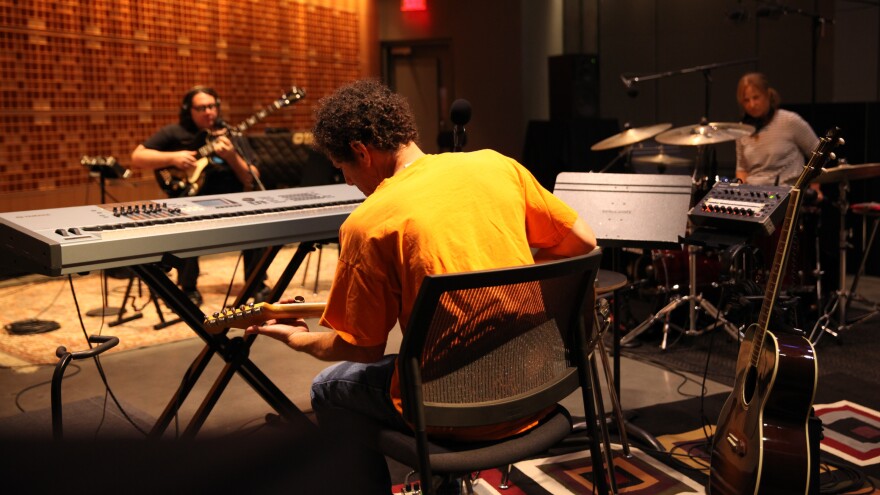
574,86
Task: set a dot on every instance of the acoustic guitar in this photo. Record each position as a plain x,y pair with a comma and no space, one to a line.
761,443
178,183
255,314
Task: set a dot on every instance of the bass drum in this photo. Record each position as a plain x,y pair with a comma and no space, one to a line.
669,267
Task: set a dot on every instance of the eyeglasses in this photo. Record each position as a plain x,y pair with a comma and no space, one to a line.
202,108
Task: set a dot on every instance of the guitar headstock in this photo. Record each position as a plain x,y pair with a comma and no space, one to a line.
823,152
241,317
293,96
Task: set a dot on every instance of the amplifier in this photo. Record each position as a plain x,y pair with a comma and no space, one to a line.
742,208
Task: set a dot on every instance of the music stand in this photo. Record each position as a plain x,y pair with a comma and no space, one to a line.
642,210
629,210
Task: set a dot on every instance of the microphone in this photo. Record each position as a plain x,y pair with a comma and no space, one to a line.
460,113
630,84
219,123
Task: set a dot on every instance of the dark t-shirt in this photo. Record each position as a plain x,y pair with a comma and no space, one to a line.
219,177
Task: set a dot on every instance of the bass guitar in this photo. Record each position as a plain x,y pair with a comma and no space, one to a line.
178,183
761,443
255,314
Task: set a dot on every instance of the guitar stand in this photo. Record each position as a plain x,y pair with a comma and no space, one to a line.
694,301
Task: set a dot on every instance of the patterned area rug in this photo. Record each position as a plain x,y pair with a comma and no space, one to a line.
571,474
850,447
849,459
52,299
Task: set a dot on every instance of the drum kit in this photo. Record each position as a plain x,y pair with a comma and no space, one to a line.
701,136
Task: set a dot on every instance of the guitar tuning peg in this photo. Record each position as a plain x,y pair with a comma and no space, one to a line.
216,314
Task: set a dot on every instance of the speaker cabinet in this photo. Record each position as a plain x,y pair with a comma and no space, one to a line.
574,86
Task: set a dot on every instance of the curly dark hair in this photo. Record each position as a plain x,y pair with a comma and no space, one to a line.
364,111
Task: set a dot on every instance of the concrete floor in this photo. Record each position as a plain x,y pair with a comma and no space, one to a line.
147,378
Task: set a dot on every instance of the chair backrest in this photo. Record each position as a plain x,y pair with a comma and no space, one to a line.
497,345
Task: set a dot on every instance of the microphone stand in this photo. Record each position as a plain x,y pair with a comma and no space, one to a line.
774,11
246,151
458,138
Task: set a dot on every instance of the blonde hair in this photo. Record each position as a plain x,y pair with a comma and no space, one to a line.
758,81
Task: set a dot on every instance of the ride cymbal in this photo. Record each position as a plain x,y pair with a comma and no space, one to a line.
702,134
630,136
849,172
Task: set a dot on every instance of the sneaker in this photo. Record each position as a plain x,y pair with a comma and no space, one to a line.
194,295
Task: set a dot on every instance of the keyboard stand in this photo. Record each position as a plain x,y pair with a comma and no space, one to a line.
233,351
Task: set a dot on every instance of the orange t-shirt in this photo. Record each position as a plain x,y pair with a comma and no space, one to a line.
446,213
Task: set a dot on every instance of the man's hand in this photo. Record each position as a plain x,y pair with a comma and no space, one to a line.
224,149
278,330
184,160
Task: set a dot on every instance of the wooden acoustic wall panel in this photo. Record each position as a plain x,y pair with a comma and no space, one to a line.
97,78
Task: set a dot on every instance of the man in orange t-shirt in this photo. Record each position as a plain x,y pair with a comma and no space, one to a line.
424,214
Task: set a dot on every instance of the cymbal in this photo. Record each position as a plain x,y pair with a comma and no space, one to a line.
849,172
662,159
630,136
702,134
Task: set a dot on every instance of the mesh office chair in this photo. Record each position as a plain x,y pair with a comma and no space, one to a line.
493,346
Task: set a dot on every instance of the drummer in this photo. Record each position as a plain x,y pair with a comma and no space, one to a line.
776,153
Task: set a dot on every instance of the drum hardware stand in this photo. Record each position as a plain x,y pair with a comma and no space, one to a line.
624,153
840,301
694,301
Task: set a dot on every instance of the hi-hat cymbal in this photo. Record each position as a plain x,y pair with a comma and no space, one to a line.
662,159
630,136
702,134
849,172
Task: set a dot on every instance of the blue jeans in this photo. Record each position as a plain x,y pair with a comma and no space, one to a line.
360,388
351,402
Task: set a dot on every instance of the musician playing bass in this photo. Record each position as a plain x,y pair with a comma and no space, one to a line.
179,146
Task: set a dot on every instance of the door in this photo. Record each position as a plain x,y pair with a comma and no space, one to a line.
422,72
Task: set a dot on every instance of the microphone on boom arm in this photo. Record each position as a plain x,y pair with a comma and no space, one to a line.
460,113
